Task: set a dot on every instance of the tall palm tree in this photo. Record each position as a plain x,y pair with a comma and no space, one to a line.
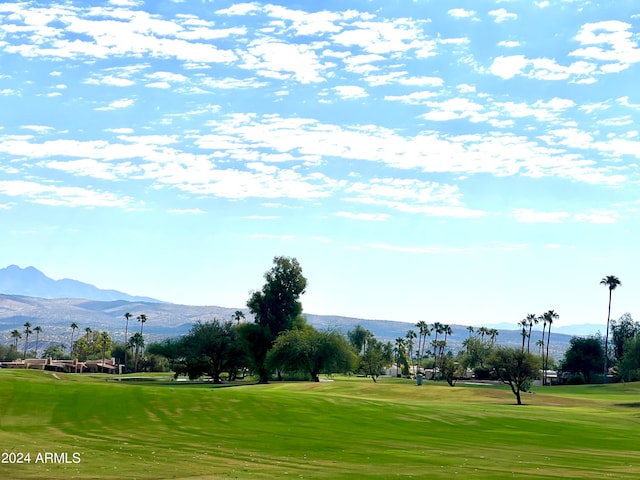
542,318
423,331
437,327
16,335
550,316
237,315
493,333
446,330
523,323
38,330
127,316
105,338
400,343
531,318
137,342
483,331
142,318
73,326
612,282
411,334
27,332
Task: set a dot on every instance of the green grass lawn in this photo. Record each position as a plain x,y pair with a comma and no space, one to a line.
349,428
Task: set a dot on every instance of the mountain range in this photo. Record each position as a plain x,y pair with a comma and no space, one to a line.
32,282
28,295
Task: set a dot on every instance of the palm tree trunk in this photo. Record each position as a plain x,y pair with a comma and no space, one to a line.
529,338
606,342
546,363
544,328
126,343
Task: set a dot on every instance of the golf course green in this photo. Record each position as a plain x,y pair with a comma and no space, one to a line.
89,426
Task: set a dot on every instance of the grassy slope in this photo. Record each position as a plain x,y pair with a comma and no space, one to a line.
342,429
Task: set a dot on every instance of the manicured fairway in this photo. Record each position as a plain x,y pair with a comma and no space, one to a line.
329,430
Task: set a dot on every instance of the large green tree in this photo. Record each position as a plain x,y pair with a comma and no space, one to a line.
376,356
92,345
311,351
515,368
584,355
210,348
612,282
630,364
275,308
621,330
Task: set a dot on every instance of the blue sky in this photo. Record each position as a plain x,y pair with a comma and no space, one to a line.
462,161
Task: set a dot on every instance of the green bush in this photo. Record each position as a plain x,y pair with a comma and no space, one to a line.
482,373
577,379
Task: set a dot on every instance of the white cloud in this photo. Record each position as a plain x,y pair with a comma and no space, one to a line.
530,216
187,211
117,104
509,43
271,236
375,217
61,196
461,13
501,15
239,9
350,91
282,61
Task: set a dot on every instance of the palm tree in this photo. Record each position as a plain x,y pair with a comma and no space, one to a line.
27,331
523,323
446,330
612,282
437,327
540,345
531,318
483,331
423,330
137,342
142,318
16,335
105,338
411,334
493,333
87,331
38,330
400,343
543,319
127,316
237,315
74,326
550,316
466,342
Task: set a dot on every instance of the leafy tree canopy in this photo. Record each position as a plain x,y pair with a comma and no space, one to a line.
275,308
585,356
311,351
515,368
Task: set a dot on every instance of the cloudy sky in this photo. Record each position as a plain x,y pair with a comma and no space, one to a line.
456,161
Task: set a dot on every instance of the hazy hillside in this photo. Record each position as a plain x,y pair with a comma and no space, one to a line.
166,319
32,282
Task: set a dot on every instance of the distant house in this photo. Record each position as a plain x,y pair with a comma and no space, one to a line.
65,366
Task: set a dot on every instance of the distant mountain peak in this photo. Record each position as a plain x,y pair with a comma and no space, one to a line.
31,282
